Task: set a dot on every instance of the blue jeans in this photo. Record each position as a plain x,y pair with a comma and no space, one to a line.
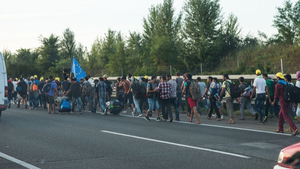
73,103
34,100
102,104
9,97
259,104
179,101
152,103
137,105
199,105
174,102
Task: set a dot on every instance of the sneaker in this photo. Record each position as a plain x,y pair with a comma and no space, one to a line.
158,119
9,105
79,112
140,115
133,112
30,108
256,116
214,116
147,118
102,113
177,119
124,112
222,117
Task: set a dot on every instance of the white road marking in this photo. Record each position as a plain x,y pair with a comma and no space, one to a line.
176,144
22,163
219,126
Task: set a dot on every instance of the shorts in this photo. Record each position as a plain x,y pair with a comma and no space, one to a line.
23,96
50,99
192,102
152,103
128,97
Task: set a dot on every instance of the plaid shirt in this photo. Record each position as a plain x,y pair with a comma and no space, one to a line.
173,88
165,90
101,89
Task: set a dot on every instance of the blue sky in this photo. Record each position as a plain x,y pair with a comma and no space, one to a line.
23,21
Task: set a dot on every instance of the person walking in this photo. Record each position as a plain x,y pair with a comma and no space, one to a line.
102,94
152,99
202,88
283,114
192,102
22,91
96,95
143,101
75,90
51,94
261,89
179,82
215,87
87,93
229,100
128,94
136,89
109,88
245,100
173,96
164,89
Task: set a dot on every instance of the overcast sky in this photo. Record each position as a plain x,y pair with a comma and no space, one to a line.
23,21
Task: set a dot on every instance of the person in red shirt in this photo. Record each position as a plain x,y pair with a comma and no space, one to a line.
283,114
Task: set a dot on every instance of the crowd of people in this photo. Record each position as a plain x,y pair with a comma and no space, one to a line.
153,95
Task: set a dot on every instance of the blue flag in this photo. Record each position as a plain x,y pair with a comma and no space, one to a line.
77,70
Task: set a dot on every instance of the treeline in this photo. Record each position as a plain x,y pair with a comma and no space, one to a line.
198,37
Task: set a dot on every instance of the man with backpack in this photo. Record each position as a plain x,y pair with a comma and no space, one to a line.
33,94
127,93
10,91
215,87
283,114
261,89
87,92
41,93
143,100
152,99
22,91
193,94
229,88
76,94
137,93
244,100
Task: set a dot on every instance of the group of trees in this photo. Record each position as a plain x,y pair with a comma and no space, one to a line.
198,34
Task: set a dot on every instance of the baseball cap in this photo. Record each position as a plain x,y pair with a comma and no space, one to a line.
258,72
280,75
31,77
269,76
185,75
35,76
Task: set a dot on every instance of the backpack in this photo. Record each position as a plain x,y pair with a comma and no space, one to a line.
235,91
47,87
87,89
115,107
65,104
137,90
195,91
291,93
10,86
33,87
121,91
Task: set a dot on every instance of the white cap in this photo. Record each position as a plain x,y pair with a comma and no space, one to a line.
269,76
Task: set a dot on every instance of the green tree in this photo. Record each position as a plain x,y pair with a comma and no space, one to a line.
201,23
109,47
48,53
287,22
68,45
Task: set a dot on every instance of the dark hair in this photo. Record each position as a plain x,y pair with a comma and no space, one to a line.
89,76
124,77
209,77
153,77
178,74
265,75
119,79
226,76
86,78
101,79
51,77
214,78
199,79
143,79
164,77
242,79
288,77
189,76
129,75
21,79
74,79
66,77
169,76
96,80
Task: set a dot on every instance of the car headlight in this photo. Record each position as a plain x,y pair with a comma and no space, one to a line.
280,157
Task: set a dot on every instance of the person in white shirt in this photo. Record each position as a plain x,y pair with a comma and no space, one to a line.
261,89
202,88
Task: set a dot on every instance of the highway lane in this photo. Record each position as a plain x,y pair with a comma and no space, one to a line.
78,141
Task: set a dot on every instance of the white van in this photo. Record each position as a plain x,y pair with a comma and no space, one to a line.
3,85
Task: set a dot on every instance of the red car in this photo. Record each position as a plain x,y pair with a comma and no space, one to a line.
289,157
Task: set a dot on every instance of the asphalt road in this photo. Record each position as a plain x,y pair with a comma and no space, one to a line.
97,141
